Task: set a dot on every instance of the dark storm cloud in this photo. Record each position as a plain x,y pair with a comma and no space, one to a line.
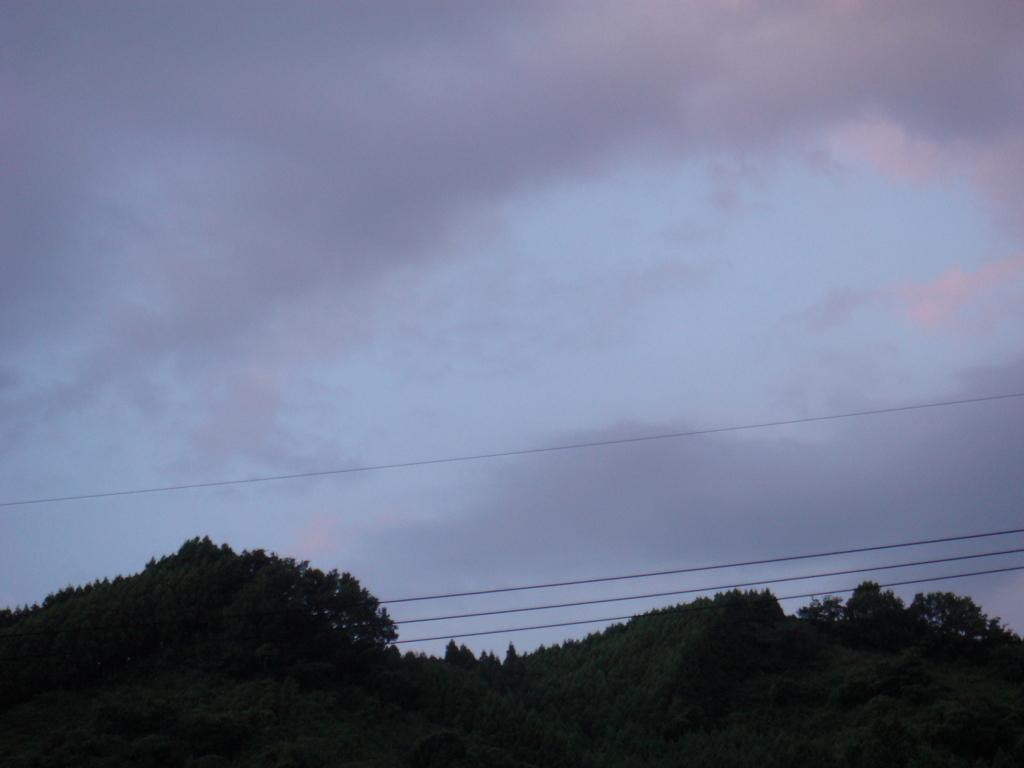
180,178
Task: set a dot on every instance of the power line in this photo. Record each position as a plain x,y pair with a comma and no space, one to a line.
685,608
502,454
671,610
716,588
696,569
764,582
791,558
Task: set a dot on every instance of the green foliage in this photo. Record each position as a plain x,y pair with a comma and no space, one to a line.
946,614
824,614
877,619
461,657
205,606
8,618
221,659
444,749
937,623
956,625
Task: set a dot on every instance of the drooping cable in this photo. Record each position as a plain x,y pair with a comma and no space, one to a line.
764,582
684,608
501,454
714,588
701,568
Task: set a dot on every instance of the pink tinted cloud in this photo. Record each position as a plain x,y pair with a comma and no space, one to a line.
958,301
999,172
994,164
966,301
320,535
893,150
242,419
355,144
327,531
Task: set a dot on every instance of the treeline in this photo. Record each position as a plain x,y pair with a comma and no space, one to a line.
937,622
733,681
205,607
213,658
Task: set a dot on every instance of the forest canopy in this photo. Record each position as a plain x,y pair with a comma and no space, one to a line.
210,657
205,605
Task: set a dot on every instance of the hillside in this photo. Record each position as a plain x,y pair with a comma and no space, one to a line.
213,658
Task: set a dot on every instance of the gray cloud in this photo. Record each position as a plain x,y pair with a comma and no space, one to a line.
181,179
714,499
835,309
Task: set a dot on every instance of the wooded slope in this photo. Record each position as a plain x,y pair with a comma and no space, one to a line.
213,658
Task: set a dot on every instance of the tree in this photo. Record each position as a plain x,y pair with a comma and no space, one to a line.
7,618
203,606
953,623
877,619
825,613
949,615
459,656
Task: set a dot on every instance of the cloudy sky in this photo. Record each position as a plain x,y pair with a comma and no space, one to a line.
253,239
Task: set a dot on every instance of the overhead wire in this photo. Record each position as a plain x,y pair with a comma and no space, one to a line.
578,582
502,454
700,568
690,607
687,608
714,588
594,444
382,603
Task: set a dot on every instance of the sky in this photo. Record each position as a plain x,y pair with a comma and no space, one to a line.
244,240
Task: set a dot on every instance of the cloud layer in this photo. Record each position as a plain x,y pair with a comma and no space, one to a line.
717,499
182,180
248,238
